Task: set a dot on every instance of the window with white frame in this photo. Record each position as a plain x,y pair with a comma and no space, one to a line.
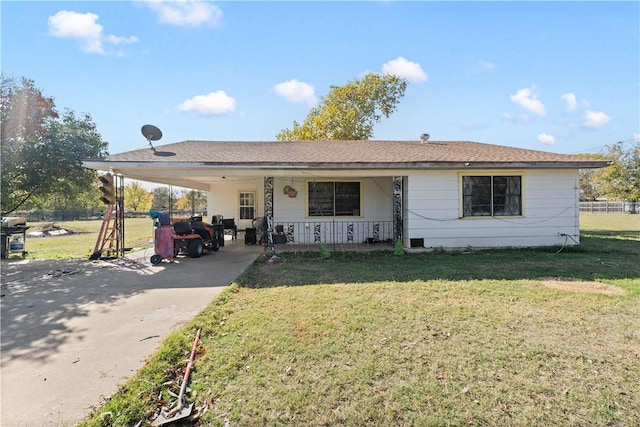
334,198
492,195
247,205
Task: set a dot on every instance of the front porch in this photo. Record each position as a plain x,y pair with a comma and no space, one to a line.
349,210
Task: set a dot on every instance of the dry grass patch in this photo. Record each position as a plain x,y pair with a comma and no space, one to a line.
423,353
572,285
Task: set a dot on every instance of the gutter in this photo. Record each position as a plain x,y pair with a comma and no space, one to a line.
106,165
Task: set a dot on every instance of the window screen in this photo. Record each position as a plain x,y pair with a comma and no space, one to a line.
492,195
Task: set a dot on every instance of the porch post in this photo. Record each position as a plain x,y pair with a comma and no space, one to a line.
397,208
268,210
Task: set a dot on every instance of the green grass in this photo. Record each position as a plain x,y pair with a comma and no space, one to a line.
81,240
359,339
609,223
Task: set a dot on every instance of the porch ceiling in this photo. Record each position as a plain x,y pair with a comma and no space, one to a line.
201,178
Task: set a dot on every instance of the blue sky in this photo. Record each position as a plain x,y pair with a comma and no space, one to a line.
553,76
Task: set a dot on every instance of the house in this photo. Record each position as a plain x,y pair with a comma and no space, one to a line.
431,194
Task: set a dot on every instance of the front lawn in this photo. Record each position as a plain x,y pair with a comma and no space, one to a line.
508,337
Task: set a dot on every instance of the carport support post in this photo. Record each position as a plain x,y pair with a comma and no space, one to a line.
268,211
397,208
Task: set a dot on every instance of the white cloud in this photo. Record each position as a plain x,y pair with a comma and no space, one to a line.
212,104
545,138
409,70
296,91
570,99
186,13
527,99
486,65
590,119
81,26
595,119
121,40
483,67
84,28
508,117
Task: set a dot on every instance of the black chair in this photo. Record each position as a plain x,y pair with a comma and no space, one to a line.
229,225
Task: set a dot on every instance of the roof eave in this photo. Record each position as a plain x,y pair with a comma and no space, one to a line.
105,165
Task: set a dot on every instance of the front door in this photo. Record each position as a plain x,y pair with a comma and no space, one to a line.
247,200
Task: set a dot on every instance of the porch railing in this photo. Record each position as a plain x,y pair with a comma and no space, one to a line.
332,232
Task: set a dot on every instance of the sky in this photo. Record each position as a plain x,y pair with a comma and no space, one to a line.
553,76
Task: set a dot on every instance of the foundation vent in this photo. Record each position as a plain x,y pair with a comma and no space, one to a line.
416,243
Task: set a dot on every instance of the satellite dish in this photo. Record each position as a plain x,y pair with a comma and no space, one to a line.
151,132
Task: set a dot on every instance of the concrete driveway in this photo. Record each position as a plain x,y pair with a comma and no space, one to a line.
73,330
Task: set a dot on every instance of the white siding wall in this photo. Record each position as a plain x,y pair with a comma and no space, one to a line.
285,208
223,199
550,209
432,208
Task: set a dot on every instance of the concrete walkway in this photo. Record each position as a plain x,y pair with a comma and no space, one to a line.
73,330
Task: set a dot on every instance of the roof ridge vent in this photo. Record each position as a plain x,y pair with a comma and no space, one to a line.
424,137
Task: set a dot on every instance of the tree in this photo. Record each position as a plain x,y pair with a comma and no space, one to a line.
164,198
590,180
137,198
349,112
621,180
42,153
24,110
193,200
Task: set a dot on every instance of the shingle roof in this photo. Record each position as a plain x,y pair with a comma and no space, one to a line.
354,153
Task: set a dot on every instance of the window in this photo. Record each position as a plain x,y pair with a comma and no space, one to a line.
247,205
491,195
334,198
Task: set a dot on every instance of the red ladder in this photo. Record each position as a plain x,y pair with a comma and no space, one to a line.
109,243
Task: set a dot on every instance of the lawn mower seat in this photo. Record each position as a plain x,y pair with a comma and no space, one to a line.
199,228
182,228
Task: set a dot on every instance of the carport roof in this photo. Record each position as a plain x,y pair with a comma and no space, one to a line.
353,154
